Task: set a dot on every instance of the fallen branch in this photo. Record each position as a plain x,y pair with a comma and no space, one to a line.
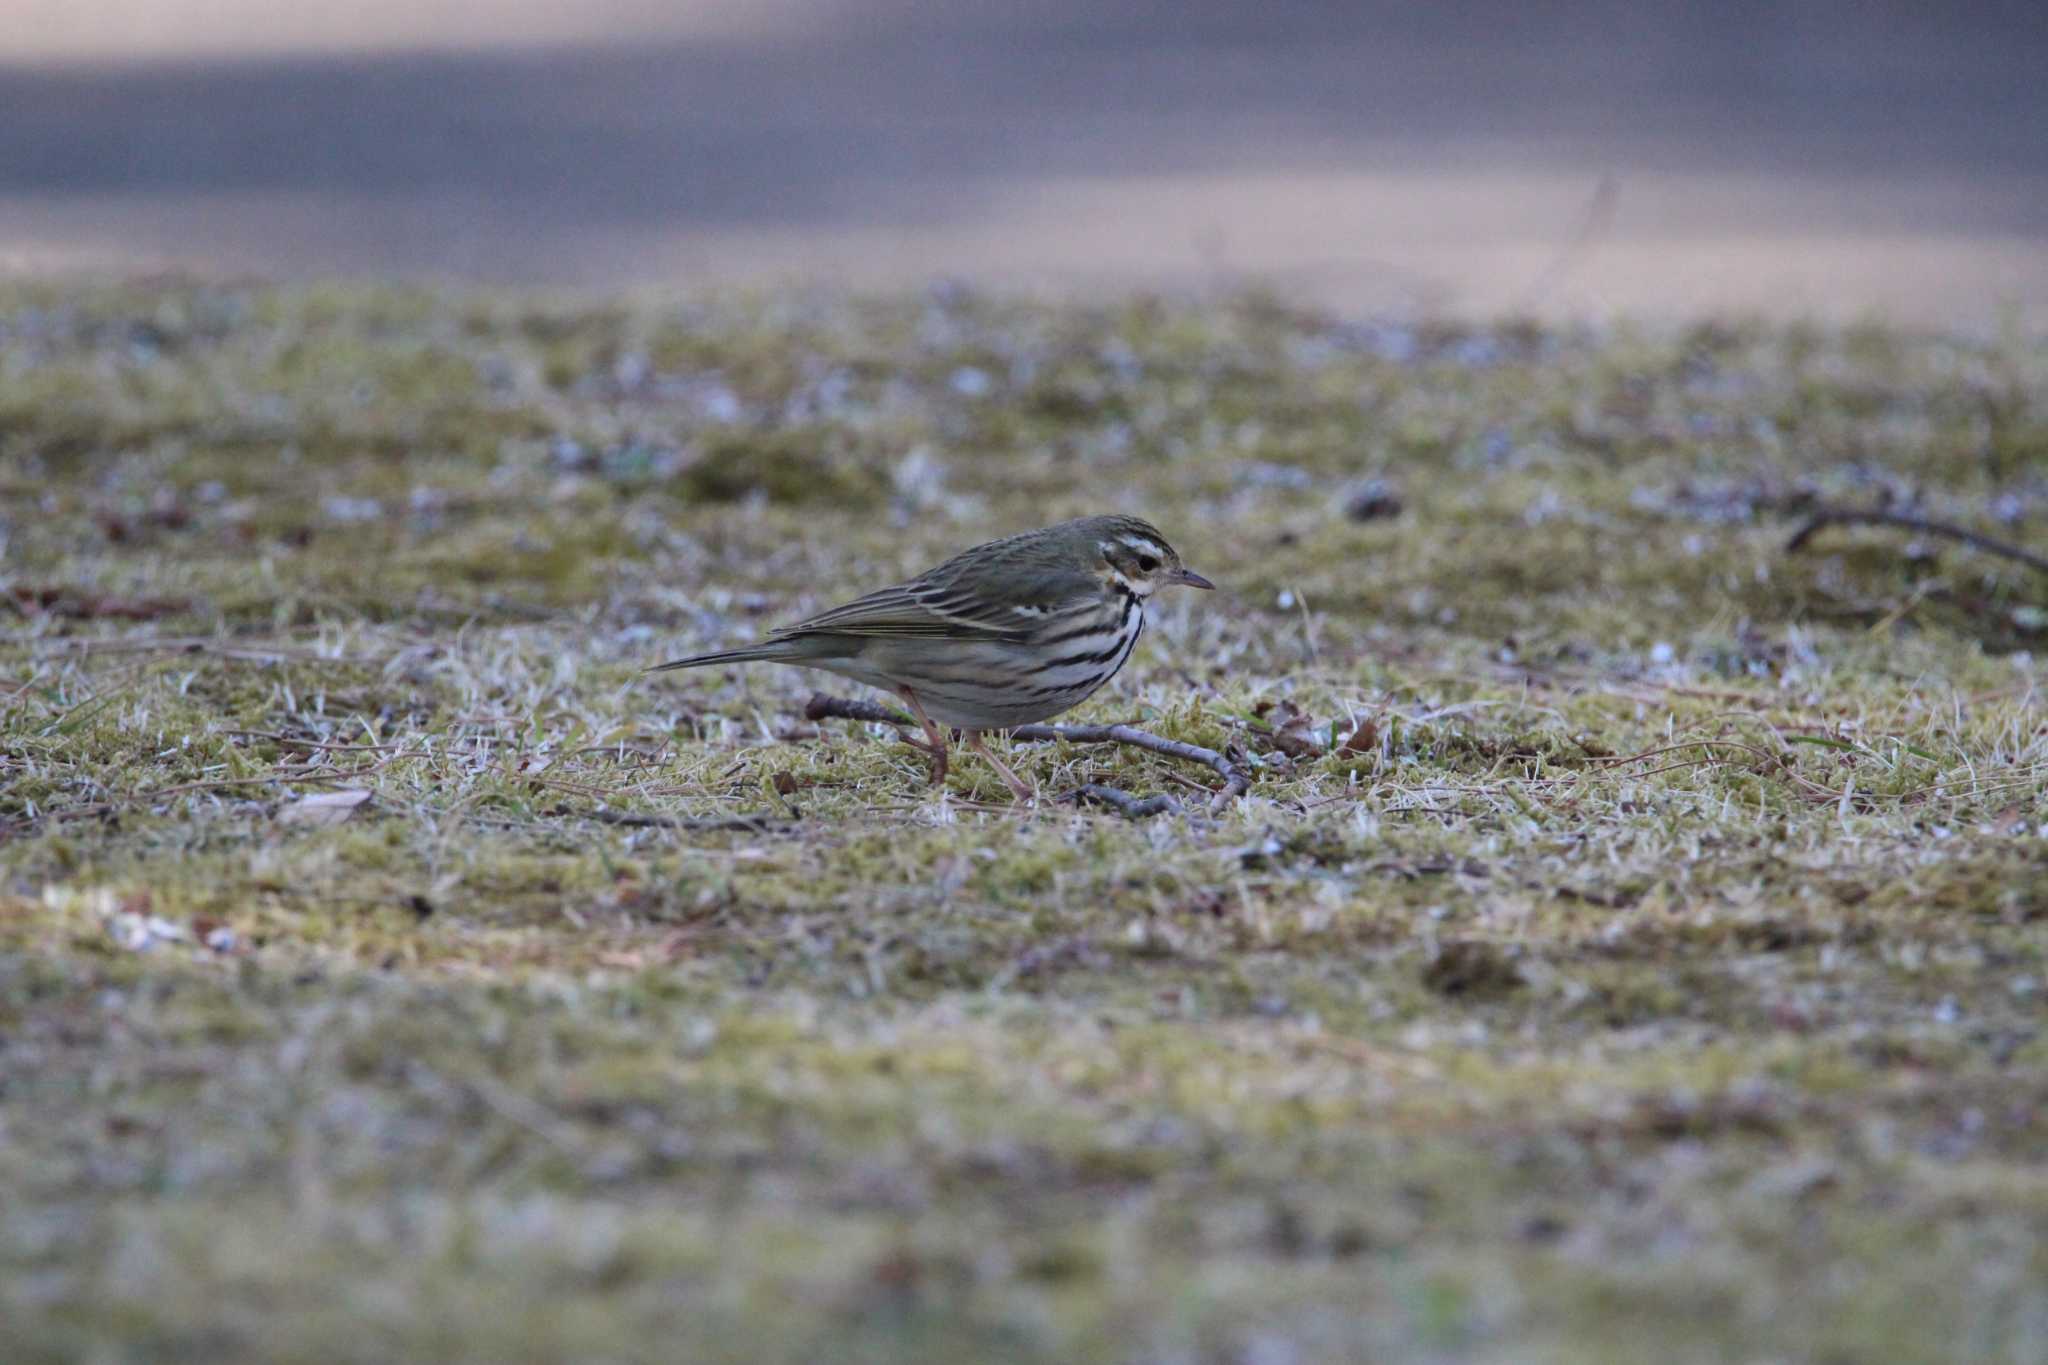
1129,806
823,707
752,822
1850,516
1235,780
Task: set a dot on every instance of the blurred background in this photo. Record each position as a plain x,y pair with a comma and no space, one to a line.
1838,158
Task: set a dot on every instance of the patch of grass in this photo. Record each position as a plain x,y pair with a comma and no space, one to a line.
1631,928
789,467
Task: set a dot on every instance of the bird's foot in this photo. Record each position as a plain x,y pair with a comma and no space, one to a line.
934,754
934,741
1023,791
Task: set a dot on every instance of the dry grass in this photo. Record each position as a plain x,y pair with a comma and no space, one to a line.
1632,928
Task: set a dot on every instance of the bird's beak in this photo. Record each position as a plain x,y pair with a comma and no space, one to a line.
1189,578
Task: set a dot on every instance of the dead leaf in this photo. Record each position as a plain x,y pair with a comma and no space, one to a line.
1363,739
1293,731
323,808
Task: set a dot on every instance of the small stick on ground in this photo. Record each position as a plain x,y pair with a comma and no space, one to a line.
1129,806
752,822
1850,516
822,707
1235,780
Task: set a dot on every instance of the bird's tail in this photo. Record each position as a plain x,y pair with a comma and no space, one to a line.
770,651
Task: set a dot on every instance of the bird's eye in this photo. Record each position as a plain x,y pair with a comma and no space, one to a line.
1147,563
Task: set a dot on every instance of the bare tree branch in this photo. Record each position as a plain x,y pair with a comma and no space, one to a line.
1129,806
822,707
1824,517
1235,780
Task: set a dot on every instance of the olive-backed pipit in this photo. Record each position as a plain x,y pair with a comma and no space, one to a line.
1005,634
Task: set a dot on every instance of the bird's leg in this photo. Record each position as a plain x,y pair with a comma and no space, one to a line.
1019,788
934,738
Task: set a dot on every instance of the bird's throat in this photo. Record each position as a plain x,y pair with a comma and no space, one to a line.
1114,580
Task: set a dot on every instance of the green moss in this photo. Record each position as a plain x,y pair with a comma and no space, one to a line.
799,467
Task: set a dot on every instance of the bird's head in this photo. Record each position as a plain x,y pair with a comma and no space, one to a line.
1132,553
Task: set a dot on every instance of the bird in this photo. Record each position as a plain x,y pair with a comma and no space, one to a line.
1007,633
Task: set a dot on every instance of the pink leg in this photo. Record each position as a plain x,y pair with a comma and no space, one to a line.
934,737
1019,788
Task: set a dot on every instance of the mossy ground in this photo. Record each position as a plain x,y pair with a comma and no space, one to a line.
1635,933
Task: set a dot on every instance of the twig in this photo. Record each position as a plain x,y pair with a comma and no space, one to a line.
1235,780
1851,516
1129,806
753,822
823,707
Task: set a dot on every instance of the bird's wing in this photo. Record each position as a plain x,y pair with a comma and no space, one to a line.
938,606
